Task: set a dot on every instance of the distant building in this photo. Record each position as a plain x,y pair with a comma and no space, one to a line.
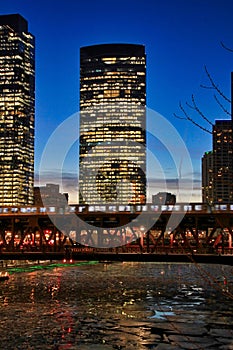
164,198
49,195
207,178
112,162
17,111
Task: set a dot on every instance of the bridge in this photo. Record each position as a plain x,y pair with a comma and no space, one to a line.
147,232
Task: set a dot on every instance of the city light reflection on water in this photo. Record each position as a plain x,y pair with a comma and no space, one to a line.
118,306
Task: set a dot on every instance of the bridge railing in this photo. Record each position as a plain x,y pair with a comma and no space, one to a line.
158,250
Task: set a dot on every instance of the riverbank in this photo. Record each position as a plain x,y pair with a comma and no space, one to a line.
30,266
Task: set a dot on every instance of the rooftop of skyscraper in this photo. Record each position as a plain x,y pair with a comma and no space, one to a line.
15,21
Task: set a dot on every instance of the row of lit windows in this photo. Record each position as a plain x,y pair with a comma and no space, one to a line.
90,126
25,166
129,107
106,132
131,100
95,59
95,167
95,102
104,107
109,141
111,87
15,61
6,31
115,59
85,130
111,76
108,78
101,86
111,84
111,137
113,90
8,189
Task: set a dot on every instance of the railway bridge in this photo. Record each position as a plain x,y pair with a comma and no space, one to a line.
196,229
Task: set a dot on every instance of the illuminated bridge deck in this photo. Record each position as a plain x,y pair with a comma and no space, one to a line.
133,232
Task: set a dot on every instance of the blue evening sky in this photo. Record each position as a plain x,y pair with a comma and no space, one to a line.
180,36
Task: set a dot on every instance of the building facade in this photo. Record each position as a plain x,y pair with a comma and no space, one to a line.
222,162
164,198
112,154
207,178
217,166
17,111
49,195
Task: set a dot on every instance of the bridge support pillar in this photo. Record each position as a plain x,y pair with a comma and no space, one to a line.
171,240
230,240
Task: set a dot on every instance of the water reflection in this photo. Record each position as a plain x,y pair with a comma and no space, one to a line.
118,306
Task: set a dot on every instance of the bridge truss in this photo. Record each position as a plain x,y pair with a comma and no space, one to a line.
147,228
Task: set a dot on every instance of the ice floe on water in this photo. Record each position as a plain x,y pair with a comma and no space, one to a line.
118,306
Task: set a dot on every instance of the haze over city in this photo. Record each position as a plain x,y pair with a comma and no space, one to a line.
180,38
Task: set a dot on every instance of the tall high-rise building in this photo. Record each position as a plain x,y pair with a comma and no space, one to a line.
222,161
112,163
17,111
217,165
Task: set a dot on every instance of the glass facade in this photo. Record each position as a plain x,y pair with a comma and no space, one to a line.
112,163
17,111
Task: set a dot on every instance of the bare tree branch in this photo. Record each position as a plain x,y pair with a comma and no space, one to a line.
194,106
221,105
226,48
214,86
187,117
177,116
197,109
207,87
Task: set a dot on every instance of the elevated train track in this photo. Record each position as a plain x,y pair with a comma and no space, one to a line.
195,228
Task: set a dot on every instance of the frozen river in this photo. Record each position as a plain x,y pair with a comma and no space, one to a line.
118,306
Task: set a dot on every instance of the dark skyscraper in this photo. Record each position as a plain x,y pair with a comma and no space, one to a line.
222,161
217,165
17,111
112,124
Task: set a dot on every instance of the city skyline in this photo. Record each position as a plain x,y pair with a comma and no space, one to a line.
180,38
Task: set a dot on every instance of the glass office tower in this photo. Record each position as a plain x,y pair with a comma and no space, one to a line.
17,110
112,163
